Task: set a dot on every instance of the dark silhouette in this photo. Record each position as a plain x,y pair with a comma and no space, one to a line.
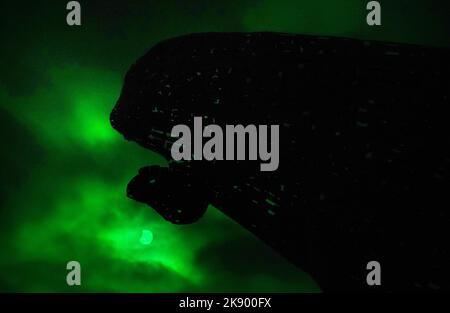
364,149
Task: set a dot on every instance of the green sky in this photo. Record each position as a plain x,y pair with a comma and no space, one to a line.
65,170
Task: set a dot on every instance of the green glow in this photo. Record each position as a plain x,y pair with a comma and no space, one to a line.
65,170
146,237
